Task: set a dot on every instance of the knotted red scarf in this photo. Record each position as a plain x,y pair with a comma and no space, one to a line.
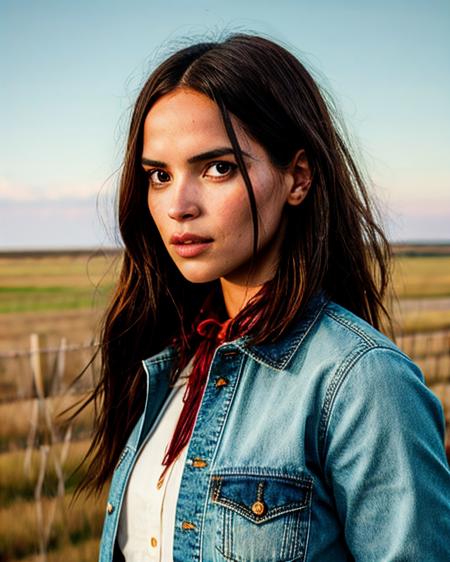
212,333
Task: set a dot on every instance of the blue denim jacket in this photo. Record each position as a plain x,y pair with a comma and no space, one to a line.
323,446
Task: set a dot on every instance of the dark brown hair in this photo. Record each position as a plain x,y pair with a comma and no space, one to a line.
332,240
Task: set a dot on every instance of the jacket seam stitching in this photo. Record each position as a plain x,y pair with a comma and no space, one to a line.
351,326
336,384
155,361
333,390
255,473
281,364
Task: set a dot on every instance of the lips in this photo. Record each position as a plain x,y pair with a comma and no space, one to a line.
190,245
187,238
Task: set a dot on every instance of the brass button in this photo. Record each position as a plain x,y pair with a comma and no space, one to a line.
258,508
221,382
199,463
109,508
153,542
187,525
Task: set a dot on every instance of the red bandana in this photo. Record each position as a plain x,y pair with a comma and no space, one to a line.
213,333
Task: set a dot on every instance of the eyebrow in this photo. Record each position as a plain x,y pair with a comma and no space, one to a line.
216,153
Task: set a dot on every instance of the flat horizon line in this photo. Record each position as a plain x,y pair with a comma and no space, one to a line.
398,246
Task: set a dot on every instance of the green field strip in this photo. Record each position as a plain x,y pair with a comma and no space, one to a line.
32,290
52,289
38,299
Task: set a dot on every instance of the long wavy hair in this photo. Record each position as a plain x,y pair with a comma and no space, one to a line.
332,240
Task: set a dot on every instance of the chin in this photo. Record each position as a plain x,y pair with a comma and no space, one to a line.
198,276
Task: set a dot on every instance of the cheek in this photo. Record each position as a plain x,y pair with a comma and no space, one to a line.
270,199
149,204
268,186
235,218
156,212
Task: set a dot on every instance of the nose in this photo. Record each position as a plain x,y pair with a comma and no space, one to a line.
184,205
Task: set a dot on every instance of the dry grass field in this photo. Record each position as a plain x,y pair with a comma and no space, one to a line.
61,297
418,277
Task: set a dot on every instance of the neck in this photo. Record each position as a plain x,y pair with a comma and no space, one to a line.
237,296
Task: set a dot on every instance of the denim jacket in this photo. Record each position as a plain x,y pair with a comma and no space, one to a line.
325,446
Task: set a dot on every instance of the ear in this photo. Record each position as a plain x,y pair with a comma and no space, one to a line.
301,178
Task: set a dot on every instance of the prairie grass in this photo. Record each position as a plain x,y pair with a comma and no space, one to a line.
55,282
35,299
442,391
74,523
420,277
77,326
15,419
86,551
436,369
425,321
425,344
16,375
84,270
15,483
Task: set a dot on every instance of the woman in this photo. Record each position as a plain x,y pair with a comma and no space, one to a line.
249,407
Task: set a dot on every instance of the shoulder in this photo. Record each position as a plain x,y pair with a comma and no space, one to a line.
351,366
351,330
371,379
340,340
353,343
359,350
325,343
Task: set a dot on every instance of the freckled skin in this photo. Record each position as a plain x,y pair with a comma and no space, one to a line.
207,199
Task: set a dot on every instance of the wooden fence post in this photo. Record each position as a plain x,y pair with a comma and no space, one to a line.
42,424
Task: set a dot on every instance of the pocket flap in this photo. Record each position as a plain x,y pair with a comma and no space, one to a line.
260,498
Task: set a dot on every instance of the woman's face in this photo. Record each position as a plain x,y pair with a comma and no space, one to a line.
197,196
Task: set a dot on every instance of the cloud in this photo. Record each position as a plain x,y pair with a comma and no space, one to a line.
415,219
18,192
68,215
54,224
15,192
430,206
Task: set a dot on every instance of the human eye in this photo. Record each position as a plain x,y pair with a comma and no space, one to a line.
221,169
157,177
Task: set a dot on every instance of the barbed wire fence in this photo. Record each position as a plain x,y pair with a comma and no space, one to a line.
47,379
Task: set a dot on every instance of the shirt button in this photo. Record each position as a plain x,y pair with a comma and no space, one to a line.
153,542
258,508
109,508
221,381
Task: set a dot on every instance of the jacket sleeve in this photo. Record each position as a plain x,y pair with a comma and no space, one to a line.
384,458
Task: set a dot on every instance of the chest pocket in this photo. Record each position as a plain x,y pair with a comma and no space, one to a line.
261,518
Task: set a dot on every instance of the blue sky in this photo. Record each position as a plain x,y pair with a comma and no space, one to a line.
71,71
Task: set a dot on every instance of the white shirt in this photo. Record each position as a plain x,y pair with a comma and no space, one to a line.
147,518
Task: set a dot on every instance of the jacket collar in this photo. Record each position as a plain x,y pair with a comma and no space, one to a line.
276,354
279,353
